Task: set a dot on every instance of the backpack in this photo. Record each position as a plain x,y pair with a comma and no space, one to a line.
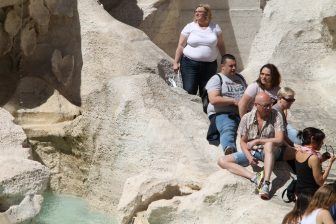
290,192
205,97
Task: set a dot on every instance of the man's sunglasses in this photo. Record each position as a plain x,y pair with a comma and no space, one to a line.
290,100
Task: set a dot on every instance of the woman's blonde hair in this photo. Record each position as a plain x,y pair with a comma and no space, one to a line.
324,197
208,14
285,92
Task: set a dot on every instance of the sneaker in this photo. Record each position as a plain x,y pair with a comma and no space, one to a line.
229,150
264,192
258,180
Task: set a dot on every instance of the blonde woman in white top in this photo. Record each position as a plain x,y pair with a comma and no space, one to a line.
197,50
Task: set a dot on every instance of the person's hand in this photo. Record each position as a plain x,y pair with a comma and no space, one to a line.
325,156
252,143
252,161
235,102
176,67
332,159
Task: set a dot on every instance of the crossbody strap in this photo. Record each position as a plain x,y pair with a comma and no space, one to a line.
243,79
221,82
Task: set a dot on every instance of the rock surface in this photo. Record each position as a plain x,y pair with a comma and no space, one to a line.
22,180
220,198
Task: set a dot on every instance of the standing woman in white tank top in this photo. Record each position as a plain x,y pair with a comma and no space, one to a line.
318,208
197,50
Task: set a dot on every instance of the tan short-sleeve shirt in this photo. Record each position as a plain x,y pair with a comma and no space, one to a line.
249,126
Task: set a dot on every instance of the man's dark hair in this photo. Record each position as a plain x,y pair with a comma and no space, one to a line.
227,56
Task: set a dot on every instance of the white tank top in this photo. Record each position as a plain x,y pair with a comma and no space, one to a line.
311,218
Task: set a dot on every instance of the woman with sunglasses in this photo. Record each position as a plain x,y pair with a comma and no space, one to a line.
197,50
308,161
268,81
285,101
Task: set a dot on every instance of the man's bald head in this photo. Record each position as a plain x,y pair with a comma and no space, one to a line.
263,102
263,98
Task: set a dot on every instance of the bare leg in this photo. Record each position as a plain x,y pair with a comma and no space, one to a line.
229,163
269,159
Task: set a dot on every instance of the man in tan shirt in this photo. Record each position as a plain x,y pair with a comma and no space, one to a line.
261,134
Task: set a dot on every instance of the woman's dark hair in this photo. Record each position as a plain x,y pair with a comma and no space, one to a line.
275,75
307,134
299,209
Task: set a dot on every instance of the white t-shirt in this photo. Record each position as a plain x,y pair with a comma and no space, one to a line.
233,86
201,43
253,89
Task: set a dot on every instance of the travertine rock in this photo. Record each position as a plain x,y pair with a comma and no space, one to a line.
21,179
5,3
145,188
39,12
224,198
28,39
11,135
61,7
12,23
30,54
5,42
62,67
29,207
30,177
4,219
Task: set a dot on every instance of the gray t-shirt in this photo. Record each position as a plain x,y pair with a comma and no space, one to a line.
233,86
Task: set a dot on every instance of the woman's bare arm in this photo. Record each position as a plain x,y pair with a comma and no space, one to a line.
243,104
324,217
179,51
220,44
315,164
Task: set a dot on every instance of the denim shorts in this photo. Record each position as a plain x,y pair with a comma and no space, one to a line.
242,160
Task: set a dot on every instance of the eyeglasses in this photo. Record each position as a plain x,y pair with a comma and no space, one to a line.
265,106
289,100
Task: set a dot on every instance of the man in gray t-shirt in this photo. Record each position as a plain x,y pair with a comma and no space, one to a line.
223,102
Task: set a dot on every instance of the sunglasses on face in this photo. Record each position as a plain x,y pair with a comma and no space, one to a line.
290,100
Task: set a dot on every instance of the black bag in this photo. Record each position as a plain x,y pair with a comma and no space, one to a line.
205,97
290,192
213,133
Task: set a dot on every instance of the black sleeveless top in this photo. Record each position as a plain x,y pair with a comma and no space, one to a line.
305,179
